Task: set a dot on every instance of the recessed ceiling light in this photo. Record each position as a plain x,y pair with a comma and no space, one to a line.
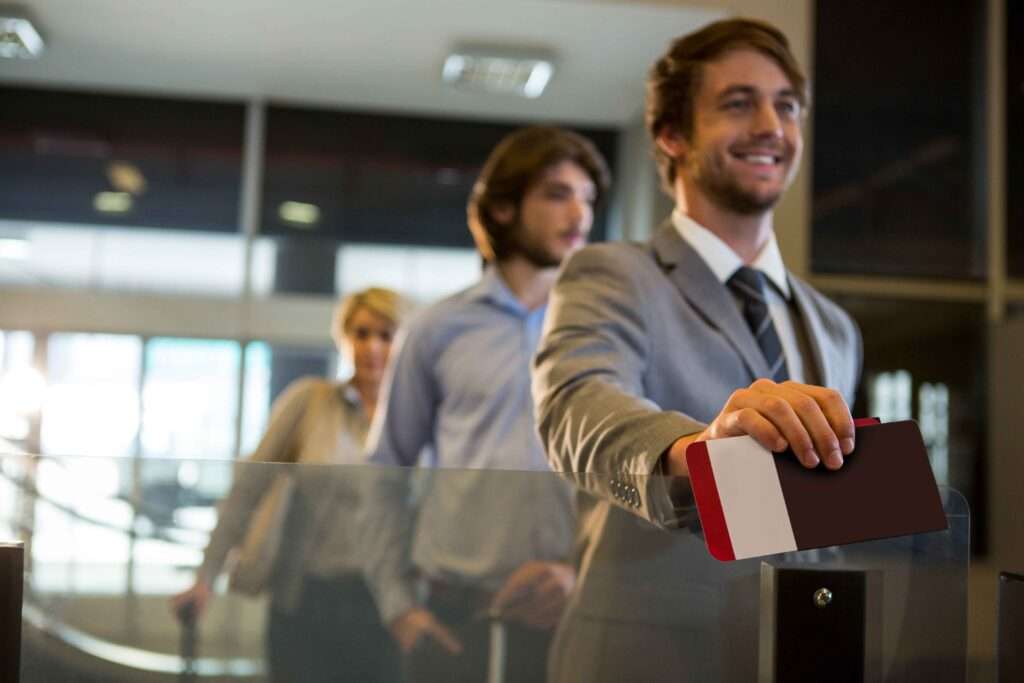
499,70
125,176
112,202
299,214
19,38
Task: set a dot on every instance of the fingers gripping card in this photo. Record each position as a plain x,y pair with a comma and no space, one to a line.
753,502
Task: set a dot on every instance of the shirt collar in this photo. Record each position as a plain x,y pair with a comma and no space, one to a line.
492,287
723,261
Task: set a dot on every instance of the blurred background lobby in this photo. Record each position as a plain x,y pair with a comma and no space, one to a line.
186,188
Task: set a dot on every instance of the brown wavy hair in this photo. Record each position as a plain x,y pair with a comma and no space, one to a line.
512,168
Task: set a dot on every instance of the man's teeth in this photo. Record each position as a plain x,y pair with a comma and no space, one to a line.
758,158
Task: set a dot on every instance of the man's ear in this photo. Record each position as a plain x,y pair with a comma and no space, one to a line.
672,144
503,212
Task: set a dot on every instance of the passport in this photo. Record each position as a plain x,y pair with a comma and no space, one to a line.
753,502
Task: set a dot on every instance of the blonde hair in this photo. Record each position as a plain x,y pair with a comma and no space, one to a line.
377,300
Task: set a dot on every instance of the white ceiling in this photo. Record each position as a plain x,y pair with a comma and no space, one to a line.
372,54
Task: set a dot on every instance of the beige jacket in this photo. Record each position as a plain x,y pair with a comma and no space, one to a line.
321,425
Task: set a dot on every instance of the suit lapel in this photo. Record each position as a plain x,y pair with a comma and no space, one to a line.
687,270
820,343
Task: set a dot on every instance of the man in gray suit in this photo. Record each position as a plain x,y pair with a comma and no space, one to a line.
698,334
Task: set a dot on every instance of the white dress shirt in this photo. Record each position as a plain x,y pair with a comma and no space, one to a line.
723,262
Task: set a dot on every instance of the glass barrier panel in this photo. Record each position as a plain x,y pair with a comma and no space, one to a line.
484,575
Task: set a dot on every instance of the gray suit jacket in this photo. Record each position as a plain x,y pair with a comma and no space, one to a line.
644,345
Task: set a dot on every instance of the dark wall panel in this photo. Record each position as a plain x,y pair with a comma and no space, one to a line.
898,109
383,178
58,150
1015,137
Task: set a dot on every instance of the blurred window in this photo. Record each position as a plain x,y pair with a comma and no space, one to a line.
334,177
189,398
421,274
933,412
889,396
121,258
92,395
256,395
22,386
120,192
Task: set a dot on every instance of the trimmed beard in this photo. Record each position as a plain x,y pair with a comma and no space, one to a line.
531,250
721,187
727,193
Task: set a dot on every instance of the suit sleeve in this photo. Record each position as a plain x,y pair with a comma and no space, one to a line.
592,416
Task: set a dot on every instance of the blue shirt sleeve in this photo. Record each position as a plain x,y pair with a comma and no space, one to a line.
403,425
407,408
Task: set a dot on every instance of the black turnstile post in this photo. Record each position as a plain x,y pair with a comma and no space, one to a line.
820,624
12,568
1010,629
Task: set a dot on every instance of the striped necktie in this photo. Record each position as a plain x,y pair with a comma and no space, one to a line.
748,284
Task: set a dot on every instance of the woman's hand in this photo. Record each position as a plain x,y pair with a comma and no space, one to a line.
192,603
419,623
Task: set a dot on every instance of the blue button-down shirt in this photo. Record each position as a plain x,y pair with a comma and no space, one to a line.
457,397
460,384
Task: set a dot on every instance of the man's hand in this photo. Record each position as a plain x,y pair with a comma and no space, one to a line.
191,603
418,623
814,421
535,594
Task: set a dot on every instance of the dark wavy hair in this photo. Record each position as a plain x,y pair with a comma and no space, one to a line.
512,168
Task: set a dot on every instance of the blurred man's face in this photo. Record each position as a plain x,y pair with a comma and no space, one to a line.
747,140
556,215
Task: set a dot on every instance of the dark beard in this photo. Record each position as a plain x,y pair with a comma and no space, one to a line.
535,254
729,195
722,188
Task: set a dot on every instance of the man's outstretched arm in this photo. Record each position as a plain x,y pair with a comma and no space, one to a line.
599,429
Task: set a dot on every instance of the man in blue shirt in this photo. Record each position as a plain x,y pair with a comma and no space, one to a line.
483,543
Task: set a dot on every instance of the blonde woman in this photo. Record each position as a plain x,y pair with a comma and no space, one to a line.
322,623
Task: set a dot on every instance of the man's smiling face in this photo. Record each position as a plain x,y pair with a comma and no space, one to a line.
746,142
